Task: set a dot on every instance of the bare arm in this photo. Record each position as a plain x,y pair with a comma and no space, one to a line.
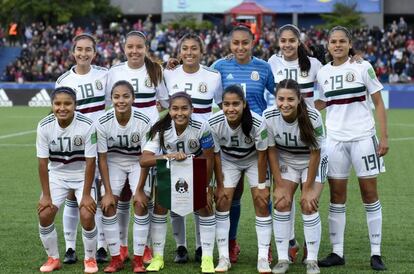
382,120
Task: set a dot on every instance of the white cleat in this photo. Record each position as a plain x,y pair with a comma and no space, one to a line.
263,266
281,267
312,267
223,265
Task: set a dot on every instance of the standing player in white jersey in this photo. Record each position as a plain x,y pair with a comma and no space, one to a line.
347,90
255,76
66,151
294,63
178,136
241,138
203,84
121,135
89,82
146,77
296,136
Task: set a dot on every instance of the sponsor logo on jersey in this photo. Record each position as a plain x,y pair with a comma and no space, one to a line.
326,82
248,140
4,99
223,139
41,99
98,85
350,77
230,77
255,76
202,87
193,143
304,74
77,141
175,86
135,137
53,143
278,136
148,83
279,72
168,146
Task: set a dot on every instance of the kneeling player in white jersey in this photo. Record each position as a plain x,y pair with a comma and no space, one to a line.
146,77
295,138
178,136
121,135
241,138
203,84
351,141
66,150
89,82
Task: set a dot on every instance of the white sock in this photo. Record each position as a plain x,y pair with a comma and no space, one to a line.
264,235
222,233
281,230
312,229
207,234
123,212
141,229
197,229
337,220
89,242
179,229
70,223
374,221
111,231
150,212
158,233
48,236
292,219
99,226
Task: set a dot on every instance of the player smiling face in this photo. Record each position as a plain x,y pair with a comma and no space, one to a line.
180,112
241,46
84,52
122,98
135,50
287,102
289,43
190,52
233,107
63,107
339,45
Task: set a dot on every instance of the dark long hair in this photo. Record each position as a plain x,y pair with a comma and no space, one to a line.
246,119
67,90
304,62
153,69
165,122
123,83
307,131
348,35
242,28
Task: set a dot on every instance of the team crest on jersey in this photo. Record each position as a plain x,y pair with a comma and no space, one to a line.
135,137
202,87
148,83
98,85
193,144
304,74
77,141
350,77
255,76
280,72
248,140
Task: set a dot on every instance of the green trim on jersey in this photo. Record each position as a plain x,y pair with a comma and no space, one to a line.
90,100
345,91
307,85
202,101
144,95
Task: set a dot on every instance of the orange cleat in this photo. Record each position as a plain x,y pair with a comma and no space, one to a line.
138,265
147,255
115,265
50,265
90,265
123,252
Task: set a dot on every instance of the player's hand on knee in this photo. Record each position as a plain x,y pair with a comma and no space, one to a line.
88,203
281,201
140,199
309,201
107,202
44,202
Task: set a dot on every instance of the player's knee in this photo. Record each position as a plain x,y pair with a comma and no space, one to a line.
283,203
139,210
307,209
46,217
87,219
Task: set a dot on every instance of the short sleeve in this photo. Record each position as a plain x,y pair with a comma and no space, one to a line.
162,93
270,83
370,79
91,140
318,129
206,138
42,144
153,144
218,94
102,138
261,138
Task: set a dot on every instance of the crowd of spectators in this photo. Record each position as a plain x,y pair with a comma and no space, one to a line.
46,50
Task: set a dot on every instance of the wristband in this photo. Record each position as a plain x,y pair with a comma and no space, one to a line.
261,185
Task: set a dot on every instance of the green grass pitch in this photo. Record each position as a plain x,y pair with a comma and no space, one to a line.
21,250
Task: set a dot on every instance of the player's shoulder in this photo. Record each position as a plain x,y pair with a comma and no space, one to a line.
99,68
196,124
117,67
107,116
275,58
47,120
256,119
83,119
314,62
140,116
260,62
217,118
271,112
313,113
210,70
63,76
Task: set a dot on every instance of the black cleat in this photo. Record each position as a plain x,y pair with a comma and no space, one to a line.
377,264
181,255
70,257
331,260
101,255
198,254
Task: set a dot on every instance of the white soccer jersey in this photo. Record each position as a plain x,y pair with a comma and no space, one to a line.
346,90
146,95
123,144
233,144
203,86
193,140
286,136
90,90
283,69
67,147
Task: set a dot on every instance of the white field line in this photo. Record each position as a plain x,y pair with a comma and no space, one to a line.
17,145
17,134
401,125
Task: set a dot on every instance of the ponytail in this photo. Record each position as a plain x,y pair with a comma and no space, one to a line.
154,71
161,126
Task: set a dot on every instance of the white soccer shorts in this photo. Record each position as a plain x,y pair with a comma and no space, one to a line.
232,172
